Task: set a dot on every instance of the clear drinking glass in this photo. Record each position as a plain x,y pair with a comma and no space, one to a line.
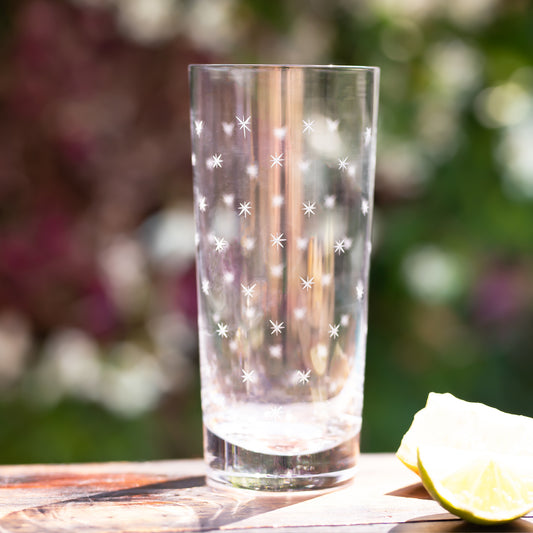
283,160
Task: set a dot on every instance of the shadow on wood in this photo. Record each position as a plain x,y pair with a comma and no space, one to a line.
172,505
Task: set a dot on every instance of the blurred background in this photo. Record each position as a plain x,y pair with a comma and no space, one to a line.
98,348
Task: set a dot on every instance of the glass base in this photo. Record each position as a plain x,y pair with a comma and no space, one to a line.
236,466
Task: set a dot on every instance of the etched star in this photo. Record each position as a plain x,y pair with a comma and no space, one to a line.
277,270
248,243
220,244
365,206
228,128
308,126
299,313
333,125
309,208
222,330
303,376
280,133
359,290
248,376
245,208
304,165
334,330
228,199
329,201
252,171
198,127
274,412
248,291
229,277
202,204
275,351
276,160
340,247
244,124
307,283
301,243
216,160
343,163
277,200
276,327
205,286
277,240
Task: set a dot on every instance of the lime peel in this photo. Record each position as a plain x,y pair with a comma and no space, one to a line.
486,488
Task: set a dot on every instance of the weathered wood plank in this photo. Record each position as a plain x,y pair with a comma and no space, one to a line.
171,496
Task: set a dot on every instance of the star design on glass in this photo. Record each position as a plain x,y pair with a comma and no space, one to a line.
277,270
367,135
333,125
309,208
307,283
321,351
229,277
308,126
326,279
252,171
245,209
228,199
228,128
248,376
222,330
198,127
205,286
275,351
359,290
274,412
280,133
340,246
248,243
244,124
216,160
276,327
277,200
248,290
220,244
329,201
276,160
202,204
277,240
304,165
301,243
343,163
299,313
334,330
302,376
365,206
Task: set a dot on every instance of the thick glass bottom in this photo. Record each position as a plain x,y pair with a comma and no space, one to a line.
236,466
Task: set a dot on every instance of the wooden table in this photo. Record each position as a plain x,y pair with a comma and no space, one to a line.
171,496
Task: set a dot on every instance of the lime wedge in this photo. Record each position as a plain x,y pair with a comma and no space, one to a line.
453,423
481,487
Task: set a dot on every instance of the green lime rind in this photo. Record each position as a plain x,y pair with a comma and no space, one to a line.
475,517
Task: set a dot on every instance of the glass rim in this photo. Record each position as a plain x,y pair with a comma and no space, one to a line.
281,66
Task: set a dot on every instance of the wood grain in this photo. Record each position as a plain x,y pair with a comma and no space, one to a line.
172,496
